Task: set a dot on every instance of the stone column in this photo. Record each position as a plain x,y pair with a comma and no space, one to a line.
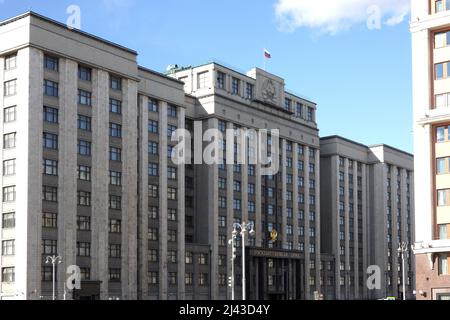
181,216
162,232
100,180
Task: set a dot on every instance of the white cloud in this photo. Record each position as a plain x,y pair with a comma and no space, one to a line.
333,16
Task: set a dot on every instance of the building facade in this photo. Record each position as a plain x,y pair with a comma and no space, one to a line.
366,212
88,175
430,28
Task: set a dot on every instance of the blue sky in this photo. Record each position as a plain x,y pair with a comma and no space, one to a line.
360,78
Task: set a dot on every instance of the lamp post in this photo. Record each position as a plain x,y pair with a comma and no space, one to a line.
402,248
232,242
53,260
244,228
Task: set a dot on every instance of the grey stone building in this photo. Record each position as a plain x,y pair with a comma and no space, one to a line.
367,209
88,175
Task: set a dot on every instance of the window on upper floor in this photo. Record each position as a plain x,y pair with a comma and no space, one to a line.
310,114
115,83
441,39
11,61
115,106
10,88
84,73
51,63
442,70
287,104
10,114
221,80
299,110
202,80
50,114
249,91
235,85
442,100
51,88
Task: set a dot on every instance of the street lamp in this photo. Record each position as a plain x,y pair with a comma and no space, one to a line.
53,260
402,248
232,242
244,228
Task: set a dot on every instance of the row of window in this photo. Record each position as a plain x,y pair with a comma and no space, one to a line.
153,278
153,192
298,110
84,73
153,107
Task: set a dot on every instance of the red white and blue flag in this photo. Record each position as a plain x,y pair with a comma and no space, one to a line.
267,54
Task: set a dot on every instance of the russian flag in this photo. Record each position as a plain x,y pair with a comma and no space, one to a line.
267,54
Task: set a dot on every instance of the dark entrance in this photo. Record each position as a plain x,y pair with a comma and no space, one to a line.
275,274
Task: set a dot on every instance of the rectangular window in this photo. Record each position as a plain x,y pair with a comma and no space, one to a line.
83,249
49,247
443,264
441,165
51,63
235,84
171,193
172,111
50,167
443,197
8,275
9,114
51,88
84,122
50,115
442,100
172,173
115,83
440,134
50,141
287,104
115,130
221,80
249,91
202,80
10,88
84,173
152,191
9,167
152,126
115,106
8,247
84,98
84,198
49,220
9,194
152,105
114,275
442,232
84,73
8,220
50,193
115,178
115,202
310,114
115,251
115,154
153,169
170,130
153,148
11,61
84,148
